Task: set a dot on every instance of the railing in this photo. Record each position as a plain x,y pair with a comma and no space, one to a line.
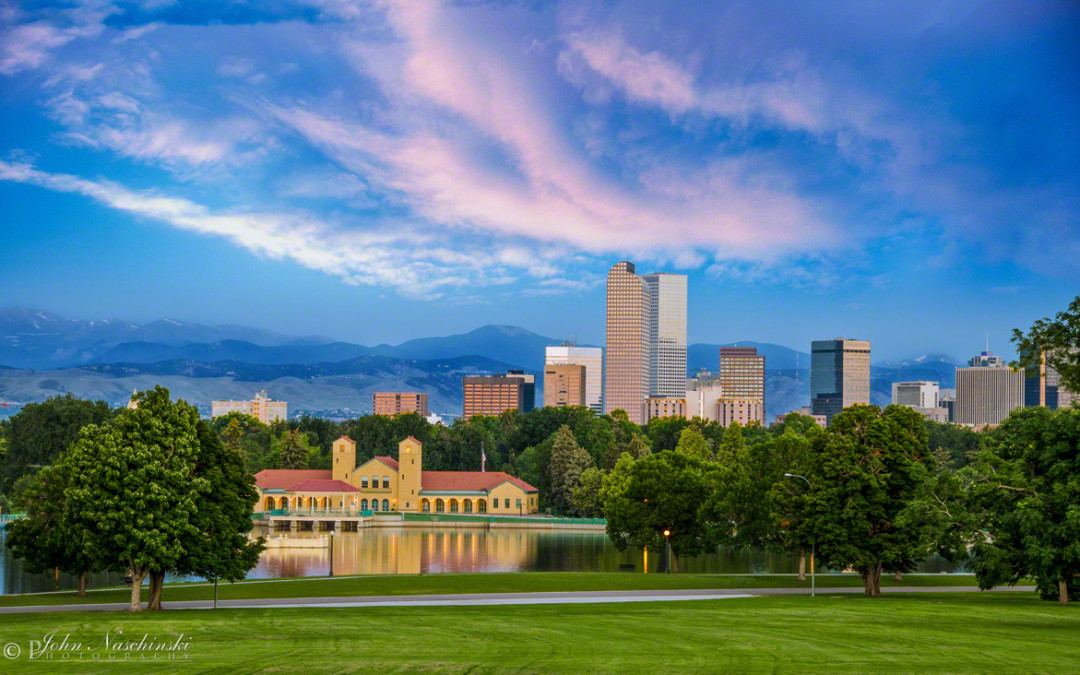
6,518
308,513
489,518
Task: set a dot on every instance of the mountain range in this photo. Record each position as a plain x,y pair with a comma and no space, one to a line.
42,354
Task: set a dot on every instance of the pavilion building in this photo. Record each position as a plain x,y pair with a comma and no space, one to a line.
388,484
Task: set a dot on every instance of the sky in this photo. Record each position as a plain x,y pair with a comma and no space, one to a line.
901,172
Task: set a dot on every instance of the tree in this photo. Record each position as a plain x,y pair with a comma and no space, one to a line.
217,545
864,471
1059,340
42,539
133,488
293,451
636,448
585,498
568,461
39,432
663,491
1028,484
693,444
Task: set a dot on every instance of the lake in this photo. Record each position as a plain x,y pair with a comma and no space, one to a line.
391,550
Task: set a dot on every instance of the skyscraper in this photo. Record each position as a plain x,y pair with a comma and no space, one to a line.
839,375
667,328
629,336
742,385
592,358
986,394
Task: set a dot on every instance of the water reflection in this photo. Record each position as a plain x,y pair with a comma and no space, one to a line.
432,551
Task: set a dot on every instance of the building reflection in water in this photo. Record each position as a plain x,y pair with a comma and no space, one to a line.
428,551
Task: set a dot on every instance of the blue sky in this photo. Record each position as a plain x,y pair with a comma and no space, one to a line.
903,172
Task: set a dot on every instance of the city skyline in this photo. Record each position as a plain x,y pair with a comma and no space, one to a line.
898,174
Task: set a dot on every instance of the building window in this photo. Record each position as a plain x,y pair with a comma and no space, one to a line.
364,482
468,505
386,482
386,505
363,505
481,506
507,504
440,506
519,504
374,504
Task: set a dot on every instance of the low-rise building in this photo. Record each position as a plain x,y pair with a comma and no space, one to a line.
262,407
398,403
564,385
664,407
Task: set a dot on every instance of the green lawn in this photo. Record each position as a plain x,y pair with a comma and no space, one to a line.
515,582
933,633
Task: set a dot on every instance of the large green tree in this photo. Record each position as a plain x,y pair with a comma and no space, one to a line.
133,488
43,539
662,491
217,546
39,432
864,472
1028,486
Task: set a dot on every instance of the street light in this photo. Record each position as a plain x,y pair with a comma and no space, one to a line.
667,560
813,583
332,551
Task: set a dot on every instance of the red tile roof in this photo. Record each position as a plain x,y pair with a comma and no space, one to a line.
282,479
322,485
346,438
388,461
468,481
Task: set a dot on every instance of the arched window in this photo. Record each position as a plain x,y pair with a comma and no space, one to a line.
269,505
440,506
363,505
453,506
467,504
481,506
386,505
425,506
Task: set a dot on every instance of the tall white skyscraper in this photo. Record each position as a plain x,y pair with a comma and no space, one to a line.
667,328
593,360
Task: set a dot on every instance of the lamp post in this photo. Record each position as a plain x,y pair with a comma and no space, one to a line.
813,583
332,552
667,560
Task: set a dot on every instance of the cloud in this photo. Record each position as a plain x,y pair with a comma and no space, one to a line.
402,258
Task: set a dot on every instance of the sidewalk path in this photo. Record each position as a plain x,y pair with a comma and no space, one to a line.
469,599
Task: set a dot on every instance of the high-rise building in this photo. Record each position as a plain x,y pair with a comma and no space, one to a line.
916,394
839,375
1042,387
742,384
592,358
397,403
667,334
986,394
564,385
495,394
261,408
629,315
